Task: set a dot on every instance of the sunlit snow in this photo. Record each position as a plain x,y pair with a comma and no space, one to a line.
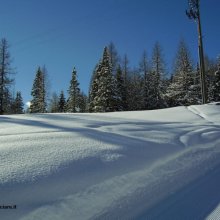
161,164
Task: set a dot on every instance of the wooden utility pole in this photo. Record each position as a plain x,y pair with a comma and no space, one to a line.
194,13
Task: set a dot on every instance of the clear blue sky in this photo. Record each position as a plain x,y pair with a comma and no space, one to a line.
62,34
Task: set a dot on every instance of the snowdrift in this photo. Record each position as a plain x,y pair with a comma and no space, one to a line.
161,164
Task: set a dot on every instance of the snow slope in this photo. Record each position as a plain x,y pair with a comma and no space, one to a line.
161,164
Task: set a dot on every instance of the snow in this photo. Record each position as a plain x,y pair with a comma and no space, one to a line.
160,164
215,214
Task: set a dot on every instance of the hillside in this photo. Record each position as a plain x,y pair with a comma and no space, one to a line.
160,164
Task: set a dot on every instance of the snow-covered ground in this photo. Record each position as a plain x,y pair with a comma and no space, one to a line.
162,164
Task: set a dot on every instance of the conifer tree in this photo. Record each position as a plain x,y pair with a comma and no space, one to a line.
74,93
125,67
217,84
211,66
157,80
145,70
5,79
62,102
195,96
103,86
114,57
38,103
54,103
121,104
8,102
125,73
136,89
18,104
93,88
179,91
46,84
82,102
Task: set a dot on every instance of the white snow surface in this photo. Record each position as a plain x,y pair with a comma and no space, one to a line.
160,164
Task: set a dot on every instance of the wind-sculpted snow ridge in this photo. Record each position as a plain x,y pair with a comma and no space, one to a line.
161,164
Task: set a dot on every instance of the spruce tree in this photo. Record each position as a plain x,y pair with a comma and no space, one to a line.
62,102
38,103
210,67
5,80
82,102
180,89
74,93
46,85
103,86
121,103
217,84
93,88
18,104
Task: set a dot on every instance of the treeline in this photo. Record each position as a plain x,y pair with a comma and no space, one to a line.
76,102
115,86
